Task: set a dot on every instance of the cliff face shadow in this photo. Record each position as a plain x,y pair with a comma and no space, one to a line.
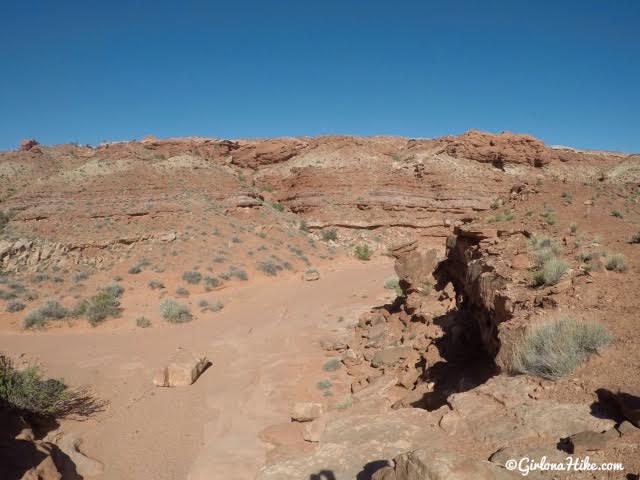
465,363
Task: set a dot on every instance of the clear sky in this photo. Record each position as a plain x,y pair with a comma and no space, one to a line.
88,71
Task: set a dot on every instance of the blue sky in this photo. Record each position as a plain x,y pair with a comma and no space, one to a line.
87,71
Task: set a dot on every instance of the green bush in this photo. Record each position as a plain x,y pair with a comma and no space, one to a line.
550,272
635,238
557,347
212,282
102,305
362,252
213,307
156,285
549,268
174,312
616,262
393,283
330,234
192,277
26,391
52,310
14,306
143,322
617,214
332,365
269,267
238,273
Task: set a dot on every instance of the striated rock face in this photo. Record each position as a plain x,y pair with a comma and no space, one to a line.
394,186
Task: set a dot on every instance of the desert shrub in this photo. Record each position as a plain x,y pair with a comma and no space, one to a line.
14,306
143,322
212,282
52,310
635,238
324,384
616,262
346,403
192,277
26,391
557,347
278,206
238,273
549,215
330,234
40,277
567,198
115,290
392,283
183,292
573,227
102,305
4,220
134,270
617,214
503,217
156,285
80,276
550,272
269,267
362,252
174,312
4,295
304,227
332,365
213,307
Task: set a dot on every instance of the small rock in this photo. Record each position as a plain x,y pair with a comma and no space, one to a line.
306,411
588,441
351,358
627,428
313,431
311,275
390,356
184,368
334,343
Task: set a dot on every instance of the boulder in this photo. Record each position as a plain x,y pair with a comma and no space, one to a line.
28,144
183,368
414,266
306,411
86,467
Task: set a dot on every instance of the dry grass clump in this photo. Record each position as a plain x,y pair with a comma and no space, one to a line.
104,304
555,348
362,252
549,267
616,262
51,310
28,393
174,312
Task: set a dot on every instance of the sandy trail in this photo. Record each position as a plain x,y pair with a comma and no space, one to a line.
265,356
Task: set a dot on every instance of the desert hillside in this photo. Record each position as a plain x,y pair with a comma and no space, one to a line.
330,308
